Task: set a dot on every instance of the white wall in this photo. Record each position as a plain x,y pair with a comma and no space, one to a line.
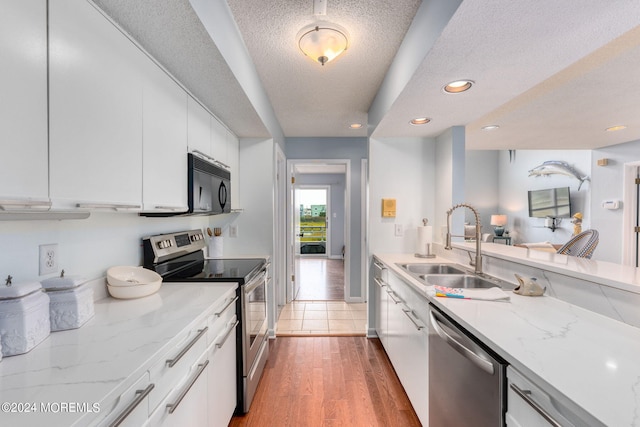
450,181
403,169
87,247
514,182
607,184
481,185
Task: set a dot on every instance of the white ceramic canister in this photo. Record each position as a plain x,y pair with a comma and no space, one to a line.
24,317
71,302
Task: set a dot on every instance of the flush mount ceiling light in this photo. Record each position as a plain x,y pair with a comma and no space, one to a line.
458,86
615,128
323,42
490,127
420,121
355,126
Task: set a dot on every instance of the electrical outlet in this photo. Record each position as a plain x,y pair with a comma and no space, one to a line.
233,230
399,230
48,259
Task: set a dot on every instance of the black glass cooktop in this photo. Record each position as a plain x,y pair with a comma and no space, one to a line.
193,268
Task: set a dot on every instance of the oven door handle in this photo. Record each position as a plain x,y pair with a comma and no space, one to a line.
254,283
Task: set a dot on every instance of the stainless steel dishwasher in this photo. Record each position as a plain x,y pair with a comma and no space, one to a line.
467,381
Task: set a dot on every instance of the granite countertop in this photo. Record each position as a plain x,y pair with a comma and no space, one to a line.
99,360
572,352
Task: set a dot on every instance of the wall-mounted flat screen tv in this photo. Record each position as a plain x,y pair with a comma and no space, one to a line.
551,202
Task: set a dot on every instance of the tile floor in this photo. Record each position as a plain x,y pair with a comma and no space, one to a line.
336,318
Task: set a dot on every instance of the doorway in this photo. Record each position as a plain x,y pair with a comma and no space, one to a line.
318,212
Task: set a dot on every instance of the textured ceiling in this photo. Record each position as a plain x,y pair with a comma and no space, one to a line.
551,74
314,100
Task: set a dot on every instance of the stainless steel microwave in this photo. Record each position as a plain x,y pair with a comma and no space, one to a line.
209,191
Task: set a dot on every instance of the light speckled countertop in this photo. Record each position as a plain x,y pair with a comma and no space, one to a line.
100,359
586,357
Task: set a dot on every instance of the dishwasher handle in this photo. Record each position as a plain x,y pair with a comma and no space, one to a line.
460,348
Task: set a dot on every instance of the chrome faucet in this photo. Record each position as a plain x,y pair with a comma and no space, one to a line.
478,261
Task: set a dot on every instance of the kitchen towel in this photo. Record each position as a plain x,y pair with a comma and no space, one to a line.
486,294
215,247
425,238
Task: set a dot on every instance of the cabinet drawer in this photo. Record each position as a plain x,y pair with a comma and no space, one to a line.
186,404
221,314
167,372
131,408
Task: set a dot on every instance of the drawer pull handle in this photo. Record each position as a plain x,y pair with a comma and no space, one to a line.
379,282
411,316
391,295
140,395
173,406
218,314
114,206
524,394
172,362
8,204
226,335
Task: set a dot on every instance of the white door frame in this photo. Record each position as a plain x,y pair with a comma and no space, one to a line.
279,270
291,163
629,202
327,188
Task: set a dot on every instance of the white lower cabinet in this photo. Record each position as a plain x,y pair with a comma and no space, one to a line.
530,405
222,397
381,301
130,408
407,342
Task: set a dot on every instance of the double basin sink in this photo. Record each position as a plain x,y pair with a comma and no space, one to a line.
449,275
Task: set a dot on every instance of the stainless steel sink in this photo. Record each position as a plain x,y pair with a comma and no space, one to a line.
432,268
459,281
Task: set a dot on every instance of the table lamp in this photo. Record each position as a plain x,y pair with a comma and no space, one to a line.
499,221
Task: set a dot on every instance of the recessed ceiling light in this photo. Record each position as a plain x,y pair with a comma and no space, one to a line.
458,86
615,128
490,127
355,125
420,121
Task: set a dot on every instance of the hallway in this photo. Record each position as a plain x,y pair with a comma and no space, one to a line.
319,308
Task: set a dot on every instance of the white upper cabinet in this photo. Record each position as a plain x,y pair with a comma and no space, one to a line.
23,107
219,141
95,110
199,123
164,134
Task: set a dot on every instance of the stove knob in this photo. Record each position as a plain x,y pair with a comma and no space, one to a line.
161,245
170,242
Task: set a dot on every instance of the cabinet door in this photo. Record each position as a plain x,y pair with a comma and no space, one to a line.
381,299
24,171
222,398
219,143
95,109
199,127
164,124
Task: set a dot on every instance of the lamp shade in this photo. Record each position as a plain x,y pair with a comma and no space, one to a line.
499,220
323,43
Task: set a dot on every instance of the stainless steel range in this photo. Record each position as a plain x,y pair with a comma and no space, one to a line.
178,257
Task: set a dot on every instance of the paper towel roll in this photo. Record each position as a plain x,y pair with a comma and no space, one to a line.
215,247
425,238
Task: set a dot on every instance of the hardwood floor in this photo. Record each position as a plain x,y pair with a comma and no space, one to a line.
321,279
328,381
